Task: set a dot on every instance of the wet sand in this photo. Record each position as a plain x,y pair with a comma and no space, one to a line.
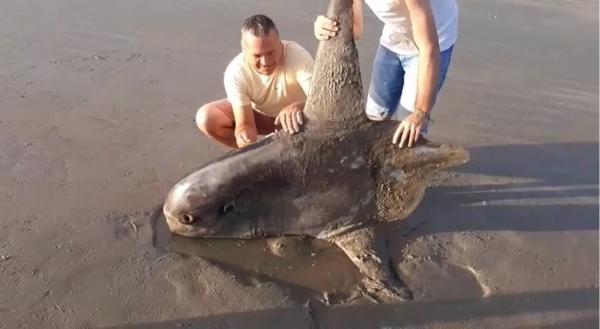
97,101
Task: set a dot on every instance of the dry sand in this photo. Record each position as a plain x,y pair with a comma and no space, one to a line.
97,100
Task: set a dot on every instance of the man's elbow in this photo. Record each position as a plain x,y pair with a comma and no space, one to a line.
430,50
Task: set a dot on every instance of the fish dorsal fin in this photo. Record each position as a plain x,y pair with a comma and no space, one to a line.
336,94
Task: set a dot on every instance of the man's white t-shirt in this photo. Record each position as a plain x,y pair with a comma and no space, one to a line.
269,94
397,30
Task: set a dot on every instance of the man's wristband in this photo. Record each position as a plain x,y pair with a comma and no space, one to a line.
423,114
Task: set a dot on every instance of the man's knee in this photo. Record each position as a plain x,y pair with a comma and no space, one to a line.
376,112
375,118
203,118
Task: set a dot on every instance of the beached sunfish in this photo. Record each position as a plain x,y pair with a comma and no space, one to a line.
335,180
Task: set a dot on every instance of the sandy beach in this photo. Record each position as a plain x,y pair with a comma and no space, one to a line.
97,105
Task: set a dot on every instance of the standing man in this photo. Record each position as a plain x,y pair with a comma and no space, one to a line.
266,86
411,62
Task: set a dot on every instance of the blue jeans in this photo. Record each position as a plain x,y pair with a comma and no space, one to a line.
393,88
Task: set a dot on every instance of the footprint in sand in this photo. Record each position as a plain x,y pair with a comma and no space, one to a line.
433,279
187,279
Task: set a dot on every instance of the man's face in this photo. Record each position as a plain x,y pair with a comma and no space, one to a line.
264,53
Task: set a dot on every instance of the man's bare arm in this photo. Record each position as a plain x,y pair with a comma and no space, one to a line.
426,39
245,127
357,26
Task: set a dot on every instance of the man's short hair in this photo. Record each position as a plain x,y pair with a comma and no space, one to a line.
259,25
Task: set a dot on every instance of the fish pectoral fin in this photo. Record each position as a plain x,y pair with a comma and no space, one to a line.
369,252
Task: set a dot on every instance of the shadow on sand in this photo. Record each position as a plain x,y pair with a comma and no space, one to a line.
400,315
549,187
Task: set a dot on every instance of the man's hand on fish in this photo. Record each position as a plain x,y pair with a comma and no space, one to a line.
291,118
325,28
245,134
409,130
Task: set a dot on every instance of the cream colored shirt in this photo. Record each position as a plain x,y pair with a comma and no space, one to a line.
269,94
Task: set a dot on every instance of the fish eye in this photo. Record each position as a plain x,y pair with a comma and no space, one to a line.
187,219
228,207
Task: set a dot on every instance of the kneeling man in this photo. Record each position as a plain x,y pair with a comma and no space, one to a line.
266,86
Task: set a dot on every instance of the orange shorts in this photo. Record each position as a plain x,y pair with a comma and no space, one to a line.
264,124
